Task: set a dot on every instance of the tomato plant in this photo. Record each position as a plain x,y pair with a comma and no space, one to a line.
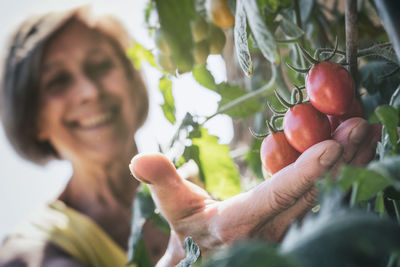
330,88
341,78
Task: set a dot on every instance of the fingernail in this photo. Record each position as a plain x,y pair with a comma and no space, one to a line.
131,168
331,155
358,133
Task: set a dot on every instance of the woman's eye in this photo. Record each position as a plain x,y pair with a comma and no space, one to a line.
99,69
58,84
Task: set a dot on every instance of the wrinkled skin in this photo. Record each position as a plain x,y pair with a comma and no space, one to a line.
266,211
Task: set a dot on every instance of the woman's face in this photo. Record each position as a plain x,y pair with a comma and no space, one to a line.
88,108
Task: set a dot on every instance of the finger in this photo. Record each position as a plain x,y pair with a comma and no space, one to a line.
175,197
350,134
274,229
277,194
367,149
174,253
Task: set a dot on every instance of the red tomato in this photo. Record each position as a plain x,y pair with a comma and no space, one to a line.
305,126
356,110
330,88
276,153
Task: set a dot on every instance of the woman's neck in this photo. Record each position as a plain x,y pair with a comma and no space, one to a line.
105,193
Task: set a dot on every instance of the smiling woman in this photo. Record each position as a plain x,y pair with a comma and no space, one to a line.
70,92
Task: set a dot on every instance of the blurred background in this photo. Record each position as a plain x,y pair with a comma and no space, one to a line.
25,186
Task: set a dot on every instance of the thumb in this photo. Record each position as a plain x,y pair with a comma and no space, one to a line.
175,197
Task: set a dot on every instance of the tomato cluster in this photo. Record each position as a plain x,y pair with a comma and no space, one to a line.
330,89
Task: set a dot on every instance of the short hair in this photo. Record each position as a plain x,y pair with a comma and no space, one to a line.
19,95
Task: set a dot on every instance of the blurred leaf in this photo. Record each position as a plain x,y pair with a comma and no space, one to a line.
168,106
241,43
249,253
142,258
389,116
262,35
217,169
271,5
395,99
372,77
306,7
138,54
192,253
389,13
174,17
231,92
143,207
369,182
388,167
379,204
253,159
290,29
148,10
342,238
204,77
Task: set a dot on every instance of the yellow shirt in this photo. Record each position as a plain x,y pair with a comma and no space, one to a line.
76,234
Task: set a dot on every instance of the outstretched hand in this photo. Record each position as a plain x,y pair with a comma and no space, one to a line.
265,211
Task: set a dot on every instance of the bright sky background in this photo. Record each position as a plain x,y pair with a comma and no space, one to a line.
25,186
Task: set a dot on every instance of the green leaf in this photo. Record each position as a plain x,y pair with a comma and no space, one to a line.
264,38
342,238
369,182
290,29
168,106
231,92
217,168
250,253
203,76
143,208
138,54
192,253
389,116
240,36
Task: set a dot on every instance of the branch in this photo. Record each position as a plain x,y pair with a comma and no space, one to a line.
351,36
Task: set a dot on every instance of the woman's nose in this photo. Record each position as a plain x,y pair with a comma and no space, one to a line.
87,88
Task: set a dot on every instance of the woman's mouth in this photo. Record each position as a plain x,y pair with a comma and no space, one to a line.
96,120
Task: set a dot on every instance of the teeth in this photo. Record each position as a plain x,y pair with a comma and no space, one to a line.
96,120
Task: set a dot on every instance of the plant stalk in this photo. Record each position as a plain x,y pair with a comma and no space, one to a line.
351,36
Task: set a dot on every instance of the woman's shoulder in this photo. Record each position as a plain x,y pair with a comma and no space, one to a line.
17,252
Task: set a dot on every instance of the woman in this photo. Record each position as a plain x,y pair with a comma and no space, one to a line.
70,92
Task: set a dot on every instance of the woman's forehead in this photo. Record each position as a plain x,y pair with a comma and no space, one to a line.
75,40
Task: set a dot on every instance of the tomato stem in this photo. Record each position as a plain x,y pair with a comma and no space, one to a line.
307,56
273,120
297,69
282,100
281,112
297,91
333,52
258,135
